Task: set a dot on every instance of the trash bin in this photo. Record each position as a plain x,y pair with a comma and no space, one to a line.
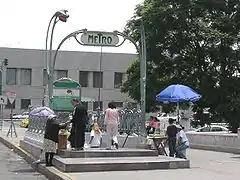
62,141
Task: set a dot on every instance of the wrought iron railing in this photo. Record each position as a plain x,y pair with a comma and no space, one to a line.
129,123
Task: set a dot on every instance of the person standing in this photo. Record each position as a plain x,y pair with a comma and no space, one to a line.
111,122
79,121
151,127
171,134
182,143
51,138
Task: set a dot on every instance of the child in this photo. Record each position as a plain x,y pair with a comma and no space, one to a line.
51,138
96,136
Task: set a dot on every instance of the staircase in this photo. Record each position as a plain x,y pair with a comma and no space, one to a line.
97,160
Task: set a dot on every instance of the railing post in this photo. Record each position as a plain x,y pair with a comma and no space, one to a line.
239,132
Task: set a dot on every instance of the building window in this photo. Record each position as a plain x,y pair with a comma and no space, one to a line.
11,78
45,77
9,105
118,104
83,78
26,77
25,103
118,79
85,104
61,74
97,79
95,105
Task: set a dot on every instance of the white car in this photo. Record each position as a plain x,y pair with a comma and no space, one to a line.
24,115
213,129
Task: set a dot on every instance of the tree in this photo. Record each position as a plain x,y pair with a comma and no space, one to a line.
191,42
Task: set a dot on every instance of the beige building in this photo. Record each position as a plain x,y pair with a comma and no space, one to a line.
26,75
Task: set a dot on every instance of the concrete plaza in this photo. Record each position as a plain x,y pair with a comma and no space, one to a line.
205,165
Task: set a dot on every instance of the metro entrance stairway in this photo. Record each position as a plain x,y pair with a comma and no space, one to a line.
96,160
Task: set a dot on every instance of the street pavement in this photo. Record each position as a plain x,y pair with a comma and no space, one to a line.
14,167
20,132
205,165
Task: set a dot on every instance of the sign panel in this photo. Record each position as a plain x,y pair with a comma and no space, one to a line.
11,96
97,38
3,100
65,92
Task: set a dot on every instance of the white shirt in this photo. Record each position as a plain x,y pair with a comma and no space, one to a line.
183,137
96,139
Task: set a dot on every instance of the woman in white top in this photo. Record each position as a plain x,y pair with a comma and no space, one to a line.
182,143
111,122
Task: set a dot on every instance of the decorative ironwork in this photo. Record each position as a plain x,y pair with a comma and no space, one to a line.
129,123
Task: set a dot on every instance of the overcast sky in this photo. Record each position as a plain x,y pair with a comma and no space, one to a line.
24,22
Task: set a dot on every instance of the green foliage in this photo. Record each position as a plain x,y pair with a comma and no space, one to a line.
191,42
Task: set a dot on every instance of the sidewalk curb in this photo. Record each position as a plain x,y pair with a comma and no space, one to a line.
50,172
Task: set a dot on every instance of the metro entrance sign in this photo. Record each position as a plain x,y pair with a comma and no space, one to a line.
97,38
110,39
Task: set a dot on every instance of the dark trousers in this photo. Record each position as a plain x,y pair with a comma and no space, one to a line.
72,141
72,137
49,158
172,146
79,137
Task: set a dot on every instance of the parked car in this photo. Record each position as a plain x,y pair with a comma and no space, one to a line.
24,115
213,128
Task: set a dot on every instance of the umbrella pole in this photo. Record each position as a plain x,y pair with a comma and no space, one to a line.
178,112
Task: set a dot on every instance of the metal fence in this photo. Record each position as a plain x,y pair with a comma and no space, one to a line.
129,119
129,122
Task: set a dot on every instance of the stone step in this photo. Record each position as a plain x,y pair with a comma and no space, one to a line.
119,164
91,152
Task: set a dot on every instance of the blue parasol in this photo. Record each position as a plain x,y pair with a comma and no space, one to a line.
178,93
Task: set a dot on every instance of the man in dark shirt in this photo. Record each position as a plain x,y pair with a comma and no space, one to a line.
79,122
171,133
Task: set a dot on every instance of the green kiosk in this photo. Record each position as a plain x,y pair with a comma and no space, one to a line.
64,90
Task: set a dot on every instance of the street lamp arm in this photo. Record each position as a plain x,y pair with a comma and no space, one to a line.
62,16
51,41
142,58
75,37
128,38
46,44
121,43
73,34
